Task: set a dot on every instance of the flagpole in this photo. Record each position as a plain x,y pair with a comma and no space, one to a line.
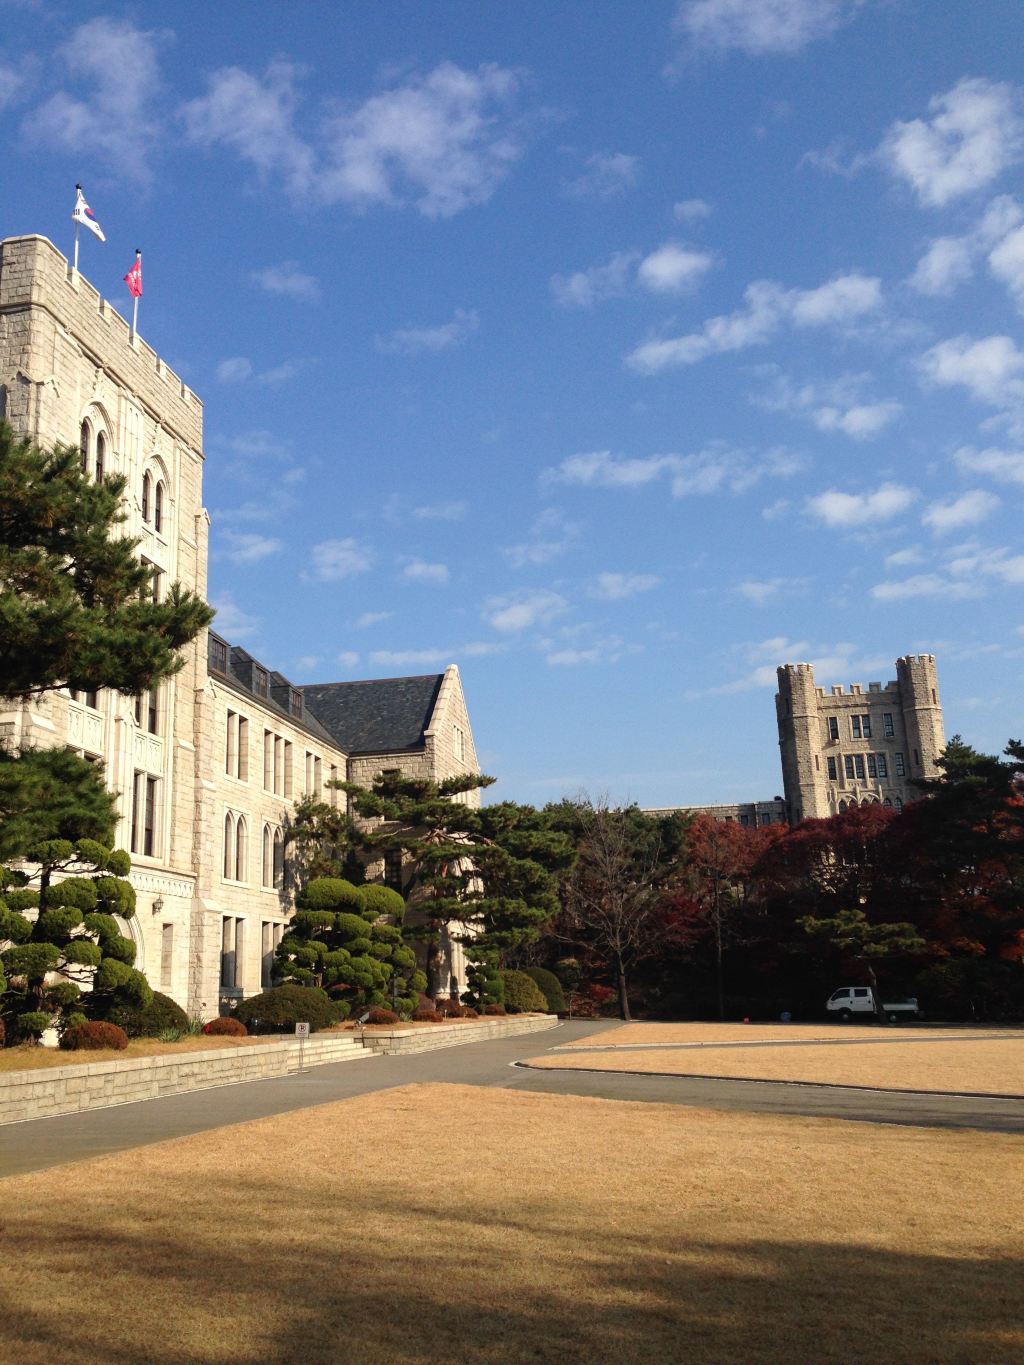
76,246
135,303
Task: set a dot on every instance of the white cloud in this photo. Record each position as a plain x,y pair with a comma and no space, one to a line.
244,547
920,585
1006,261
606,175
584,288
617,587
13,82
288,281
991,368
520,611
763,657
601,469
768,307
1005,466
945,265
419,571
550,536
256,444
967,510
759,591
835,508
835,406
976,563
426,658
235,370
760,27
116,66
442,511
974,133
347,658
307,662
673,269
441,141
232,621
430,340
372,618
334,560
691,210
717,467
901,559
285,372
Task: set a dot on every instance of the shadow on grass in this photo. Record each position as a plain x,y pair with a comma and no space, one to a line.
269,1275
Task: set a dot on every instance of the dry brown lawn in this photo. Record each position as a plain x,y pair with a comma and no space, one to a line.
441,1223
629,1035
28,1057
993,1066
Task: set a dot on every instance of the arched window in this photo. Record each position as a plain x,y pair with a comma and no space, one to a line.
147,489
278,859
85,446
887,802
101,457
842,807
158,506
898,803
268,857
241,850
229,845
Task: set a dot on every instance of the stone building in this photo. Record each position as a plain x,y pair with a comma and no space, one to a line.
209,766
749,814
844,748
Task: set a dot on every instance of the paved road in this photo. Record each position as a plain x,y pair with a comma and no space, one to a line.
41,1143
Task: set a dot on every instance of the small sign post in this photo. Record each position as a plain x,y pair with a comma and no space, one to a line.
302,1033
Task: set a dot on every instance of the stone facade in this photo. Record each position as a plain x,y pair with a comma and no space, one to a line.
200,808
749,814
842,748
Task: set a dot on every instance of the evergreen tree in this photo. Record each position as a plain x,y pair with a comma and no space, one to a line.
347,940
76,602
68,939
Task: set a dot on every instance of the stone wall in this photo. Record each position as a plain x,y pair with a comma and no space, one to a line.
429,1038
72,1089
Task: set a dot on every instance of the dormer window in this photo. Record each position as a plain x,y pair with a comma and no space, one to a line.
218,656
296,703
261,681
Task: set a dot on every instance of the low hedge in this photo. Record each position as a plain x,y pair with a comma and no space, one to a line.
550,987
280,1009
522,994
93,1035
377,1015
149,1021
428,1017
225,1027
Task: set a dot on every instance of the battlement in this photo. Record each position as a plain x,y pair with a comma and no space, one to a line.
34,275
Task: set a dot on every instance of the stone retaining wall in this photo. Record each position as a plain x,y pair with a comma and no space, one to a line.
426,1039
72,1089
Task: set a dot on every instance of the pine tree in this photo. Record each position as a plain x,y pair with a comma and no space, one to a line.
76,602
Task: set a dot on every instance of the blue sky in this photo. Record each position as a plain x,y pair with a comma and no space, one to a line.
617,352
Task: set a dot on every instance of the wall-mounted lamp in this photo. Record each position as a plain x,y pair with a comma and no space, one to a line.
158,905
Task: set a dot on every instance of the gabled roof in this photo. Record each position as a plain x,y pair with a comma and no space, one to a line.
239,672
380,716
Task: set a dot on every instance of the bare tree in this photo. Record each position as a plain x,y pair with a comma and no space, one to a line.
613,891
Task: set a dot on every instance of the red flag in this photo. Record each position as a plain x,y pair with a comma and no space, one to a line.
134,277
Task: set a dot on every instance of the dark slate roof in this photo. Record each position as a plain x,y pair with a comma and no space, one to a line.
384,715
240,674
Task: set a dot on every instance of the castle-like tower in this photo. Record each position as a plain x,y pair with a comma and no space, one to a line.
207,767
847,748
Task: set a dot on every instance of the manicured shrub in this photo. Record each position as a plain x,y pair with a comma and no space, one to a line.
381,900
468,1012
522,994
551,988
225,1027
378,1015
331,893
428,1017
280,1009
149,1021
77,892
450,1009
494,1009
93,1035
32,1024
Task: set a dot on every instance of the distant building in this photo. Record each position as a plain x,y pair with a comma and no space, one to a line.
846,748
749,814
208,766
